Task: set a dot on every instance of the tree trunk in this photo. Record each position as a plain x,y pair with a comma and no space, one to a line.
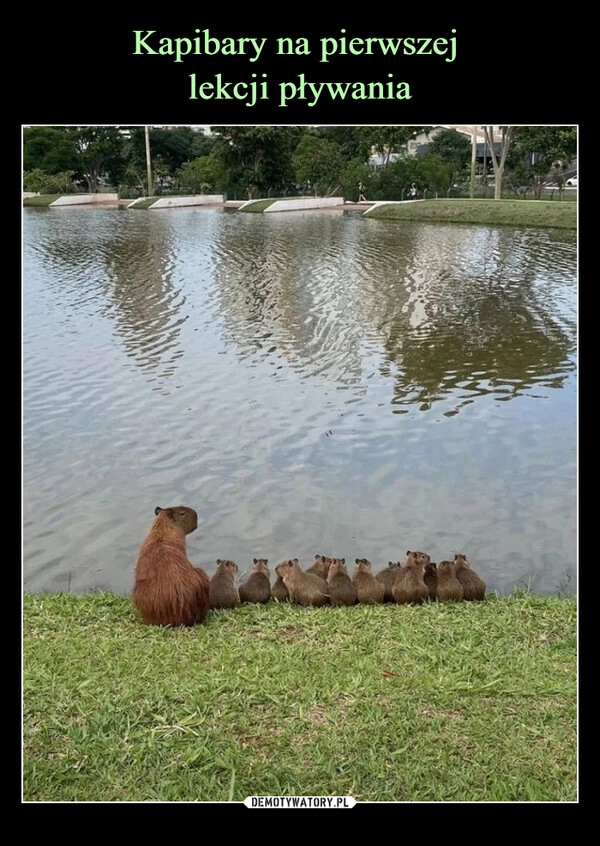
498,164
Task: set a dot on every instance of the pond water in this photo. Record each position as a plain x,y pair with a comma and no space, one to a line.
311,383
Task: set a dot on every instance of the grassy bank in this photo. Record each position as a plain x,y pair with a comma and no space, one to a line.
442,702
257,206
546,213
539,213
42,200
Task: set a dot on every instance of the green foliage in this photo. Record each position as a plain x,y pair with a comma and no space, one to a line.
390,139
536,152
172,147
257,159
100,151
452,148
351,140
61,183
434,176
354,172
318,164
48,183
50,149
204,175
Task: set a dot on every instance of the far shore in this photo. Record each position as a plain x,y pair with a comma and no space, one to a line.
560,214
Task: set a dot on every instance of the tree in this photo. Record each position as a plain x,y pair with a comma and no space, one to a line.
498,162
204,175
49,148
258,159
172,146
350,139
99,150
356,171
393,181
48,183
541,151
390,139
433,175
320,163
454,149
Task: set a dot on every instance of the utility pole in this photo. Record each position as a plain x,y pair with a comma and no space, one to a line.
148,162
473,160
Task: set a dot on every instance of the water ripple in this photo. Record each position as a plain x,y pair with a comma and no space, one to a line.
307,383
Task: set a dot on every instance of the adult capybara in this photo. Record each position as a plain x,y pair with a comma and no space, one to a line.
303,588
473,585
369,591
223,590
341,587
257,587
387,577
430,577
169,590
410,586
320,566
449,589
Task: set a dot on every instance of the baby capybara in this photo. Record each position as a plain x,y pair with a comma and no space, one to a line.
387,577
223,590
410,586
320,566
449,589
279,590
430,577
257,587
473,586
341,587
168,589
369,590
303,588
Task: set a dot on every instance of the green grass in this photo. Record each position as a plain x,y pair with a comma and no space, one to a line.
453,702
546,213
257,206
143,203
42,200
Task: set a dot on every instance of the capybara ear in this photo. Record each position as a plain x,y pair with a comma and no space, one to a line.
408,551
390,563
157,510
219,561
295,560
356,560
343,560
318,556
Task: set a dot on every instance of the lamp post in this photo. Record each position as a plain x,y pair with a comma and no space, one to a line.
148,163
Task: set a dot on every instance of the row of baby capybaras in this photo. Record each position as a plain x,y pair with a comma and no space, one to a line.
327,581
170,591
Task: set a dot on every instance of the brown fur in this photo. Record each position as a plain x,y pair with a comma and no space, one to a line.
410,585
321,566
303,588
168,589
223,591
387,577
430,577
473,585
279,591
257,587
342,590
368,590
449,588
